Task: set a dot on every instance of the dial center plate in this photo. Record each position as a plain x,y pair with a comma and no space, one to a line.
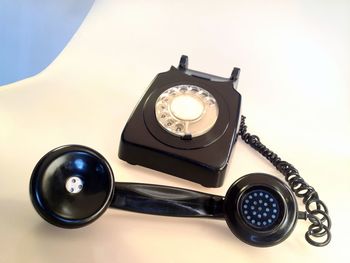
186,107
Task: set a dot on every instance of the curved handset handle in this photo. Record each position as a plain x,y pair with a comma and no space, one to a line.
71,186
167,201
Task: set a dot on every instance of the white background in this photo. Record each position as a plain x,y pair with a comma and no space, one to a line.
295,63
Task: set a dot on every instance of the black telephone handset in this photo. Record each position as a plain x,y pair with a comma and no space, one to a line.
71,186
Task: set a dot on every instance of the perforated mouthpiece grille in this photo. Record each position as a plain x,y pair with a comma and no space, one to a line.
260,209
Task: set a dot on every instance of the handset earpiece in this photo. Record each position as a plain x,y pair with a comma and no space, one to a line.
71,186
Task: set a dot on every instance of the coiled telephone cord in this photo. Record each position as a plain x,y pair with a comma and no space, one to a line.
316,211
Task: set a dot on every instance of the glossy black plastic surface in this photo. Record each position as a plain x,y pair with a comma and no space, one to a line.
201,159
166,200
58,206
258,208
282,222
55,203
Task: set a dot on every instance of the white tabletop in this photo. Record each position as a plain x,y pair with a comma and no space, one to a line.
295,61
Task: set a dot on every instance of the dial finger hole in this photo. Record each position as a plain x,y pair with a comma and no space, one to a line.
179,127
183,89
169,122
204,94
194,89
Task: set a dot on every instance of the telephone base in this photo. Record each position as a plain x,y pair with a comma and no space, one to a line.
201,157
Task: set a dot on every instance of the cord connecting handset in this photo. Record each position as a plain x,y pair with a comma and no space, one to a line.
71,186
316,211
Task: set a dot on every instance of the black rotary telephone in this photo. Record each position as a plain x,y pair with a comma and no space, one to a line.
185,125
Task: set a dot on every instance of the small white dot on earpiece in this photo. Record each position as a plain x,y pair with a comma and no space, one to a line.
74,184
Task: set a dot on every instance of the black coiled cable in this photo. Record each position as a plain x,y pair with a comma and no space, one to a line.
316,211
